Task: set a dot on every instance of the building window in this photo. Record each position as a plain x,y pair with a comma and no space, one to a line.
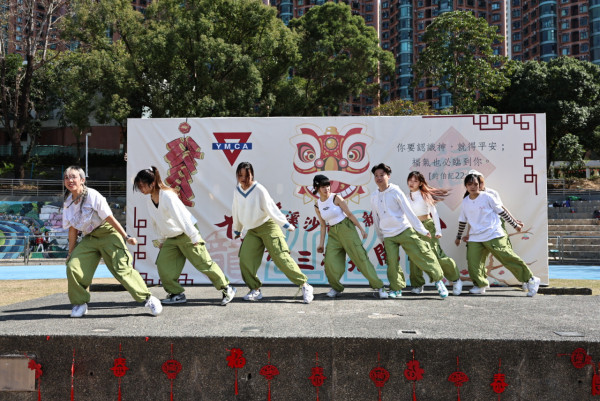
516,48
584,47
583,34
564,12
565,51
516,13
517,36
495,6
496,17
385,4
583,8
565,37
583,21
564,25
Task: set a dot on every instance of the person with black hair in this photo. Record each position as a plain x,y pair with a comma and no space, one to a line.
255,211
179,239
332,211
85,211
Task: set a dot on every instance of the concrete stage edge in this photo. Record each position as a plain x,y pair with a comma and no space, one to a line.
544,346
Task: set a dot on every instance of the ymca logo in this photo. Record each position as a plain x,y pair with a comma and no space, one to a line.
232,149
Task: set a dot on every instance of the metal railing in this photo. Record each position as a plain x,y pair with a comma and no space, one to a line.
558,250
30,247
25,187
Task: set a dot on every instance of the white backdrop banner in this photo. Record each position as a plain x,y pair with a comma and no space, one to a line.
199,156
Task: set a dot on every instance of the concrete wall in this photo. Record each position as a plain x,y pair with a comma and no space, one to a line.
534,370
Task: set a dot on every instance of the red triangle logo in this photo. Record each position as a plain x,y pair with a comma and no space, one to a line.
222,137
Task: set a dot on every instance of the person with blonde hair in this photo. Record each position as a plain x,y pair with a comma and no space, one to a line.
85,211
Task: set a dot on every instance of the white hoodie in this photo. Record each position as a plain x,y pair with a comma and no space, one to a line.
253,208
392,213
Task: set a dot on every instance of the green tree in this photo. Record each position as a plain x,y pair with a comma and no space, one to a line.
459,58
198,58
23,79
400,107
339,55
567,90
570,152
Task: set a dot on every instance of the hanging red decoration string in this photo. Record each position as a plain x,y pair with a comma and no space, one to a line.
499,384
73,376
379,375
317,378
38,374
235,360
458,378
171,368
414,373
119,369
269,372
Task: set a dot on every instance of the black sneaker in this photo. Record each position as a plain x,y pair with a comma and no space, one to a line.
173,299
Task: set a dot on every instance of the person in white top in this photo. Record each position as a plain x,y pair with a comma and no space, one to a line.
85,211
395,224
482,212
179,239
255,211
423,198
332,211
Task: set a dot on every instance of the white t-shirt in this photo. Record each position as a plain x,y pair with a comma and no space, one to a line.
171,218
88,216
330,212
482,215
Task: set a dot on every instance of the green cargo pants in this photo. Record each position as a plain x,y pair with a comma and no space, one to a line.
268,235
500,248
447,264
418,251
106,243
343,239
171,260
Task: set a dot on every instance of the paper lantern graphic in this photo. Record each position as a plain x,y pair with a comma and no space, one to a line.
269,372
414,373
499,383
317,378
119,369
458,378
171,368
379,375
235,360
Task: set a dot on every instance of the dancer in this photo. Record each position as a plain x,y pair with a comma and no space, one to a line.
395,223
482,212
255,211
343,239
179,239
86,211
422,199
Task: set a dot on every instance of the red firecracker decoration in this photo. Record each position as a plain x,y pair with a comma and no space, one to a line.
171,368
458,378
596,381
181,156
317,378
119,369
236,360
73,376
380,376
414,373
269,372
38,374
499,384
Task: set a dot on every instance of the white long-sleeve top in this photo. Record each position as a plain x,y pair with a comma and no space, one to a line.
482,215
422,208
88,216
253,208
392,213
171,218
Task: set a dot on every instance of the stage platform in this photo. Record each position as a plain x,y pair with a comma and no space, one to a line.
355,347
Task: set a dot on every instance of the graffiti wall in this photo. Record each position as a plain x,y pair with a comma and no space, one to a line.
199,158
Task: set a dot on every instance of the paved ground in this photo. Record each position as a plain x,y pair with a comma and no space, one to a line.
501,314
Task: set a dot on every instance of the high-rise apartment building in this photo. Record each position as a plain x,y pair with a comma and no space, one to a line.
368,9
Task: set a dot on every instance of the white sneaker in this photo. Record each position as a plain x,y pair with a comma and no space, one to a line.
79,310
477,290
417,290
533,285
228,294
307,293
395,294
154,305
457,287
333,293
253,295
441,289
381,293
525,287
